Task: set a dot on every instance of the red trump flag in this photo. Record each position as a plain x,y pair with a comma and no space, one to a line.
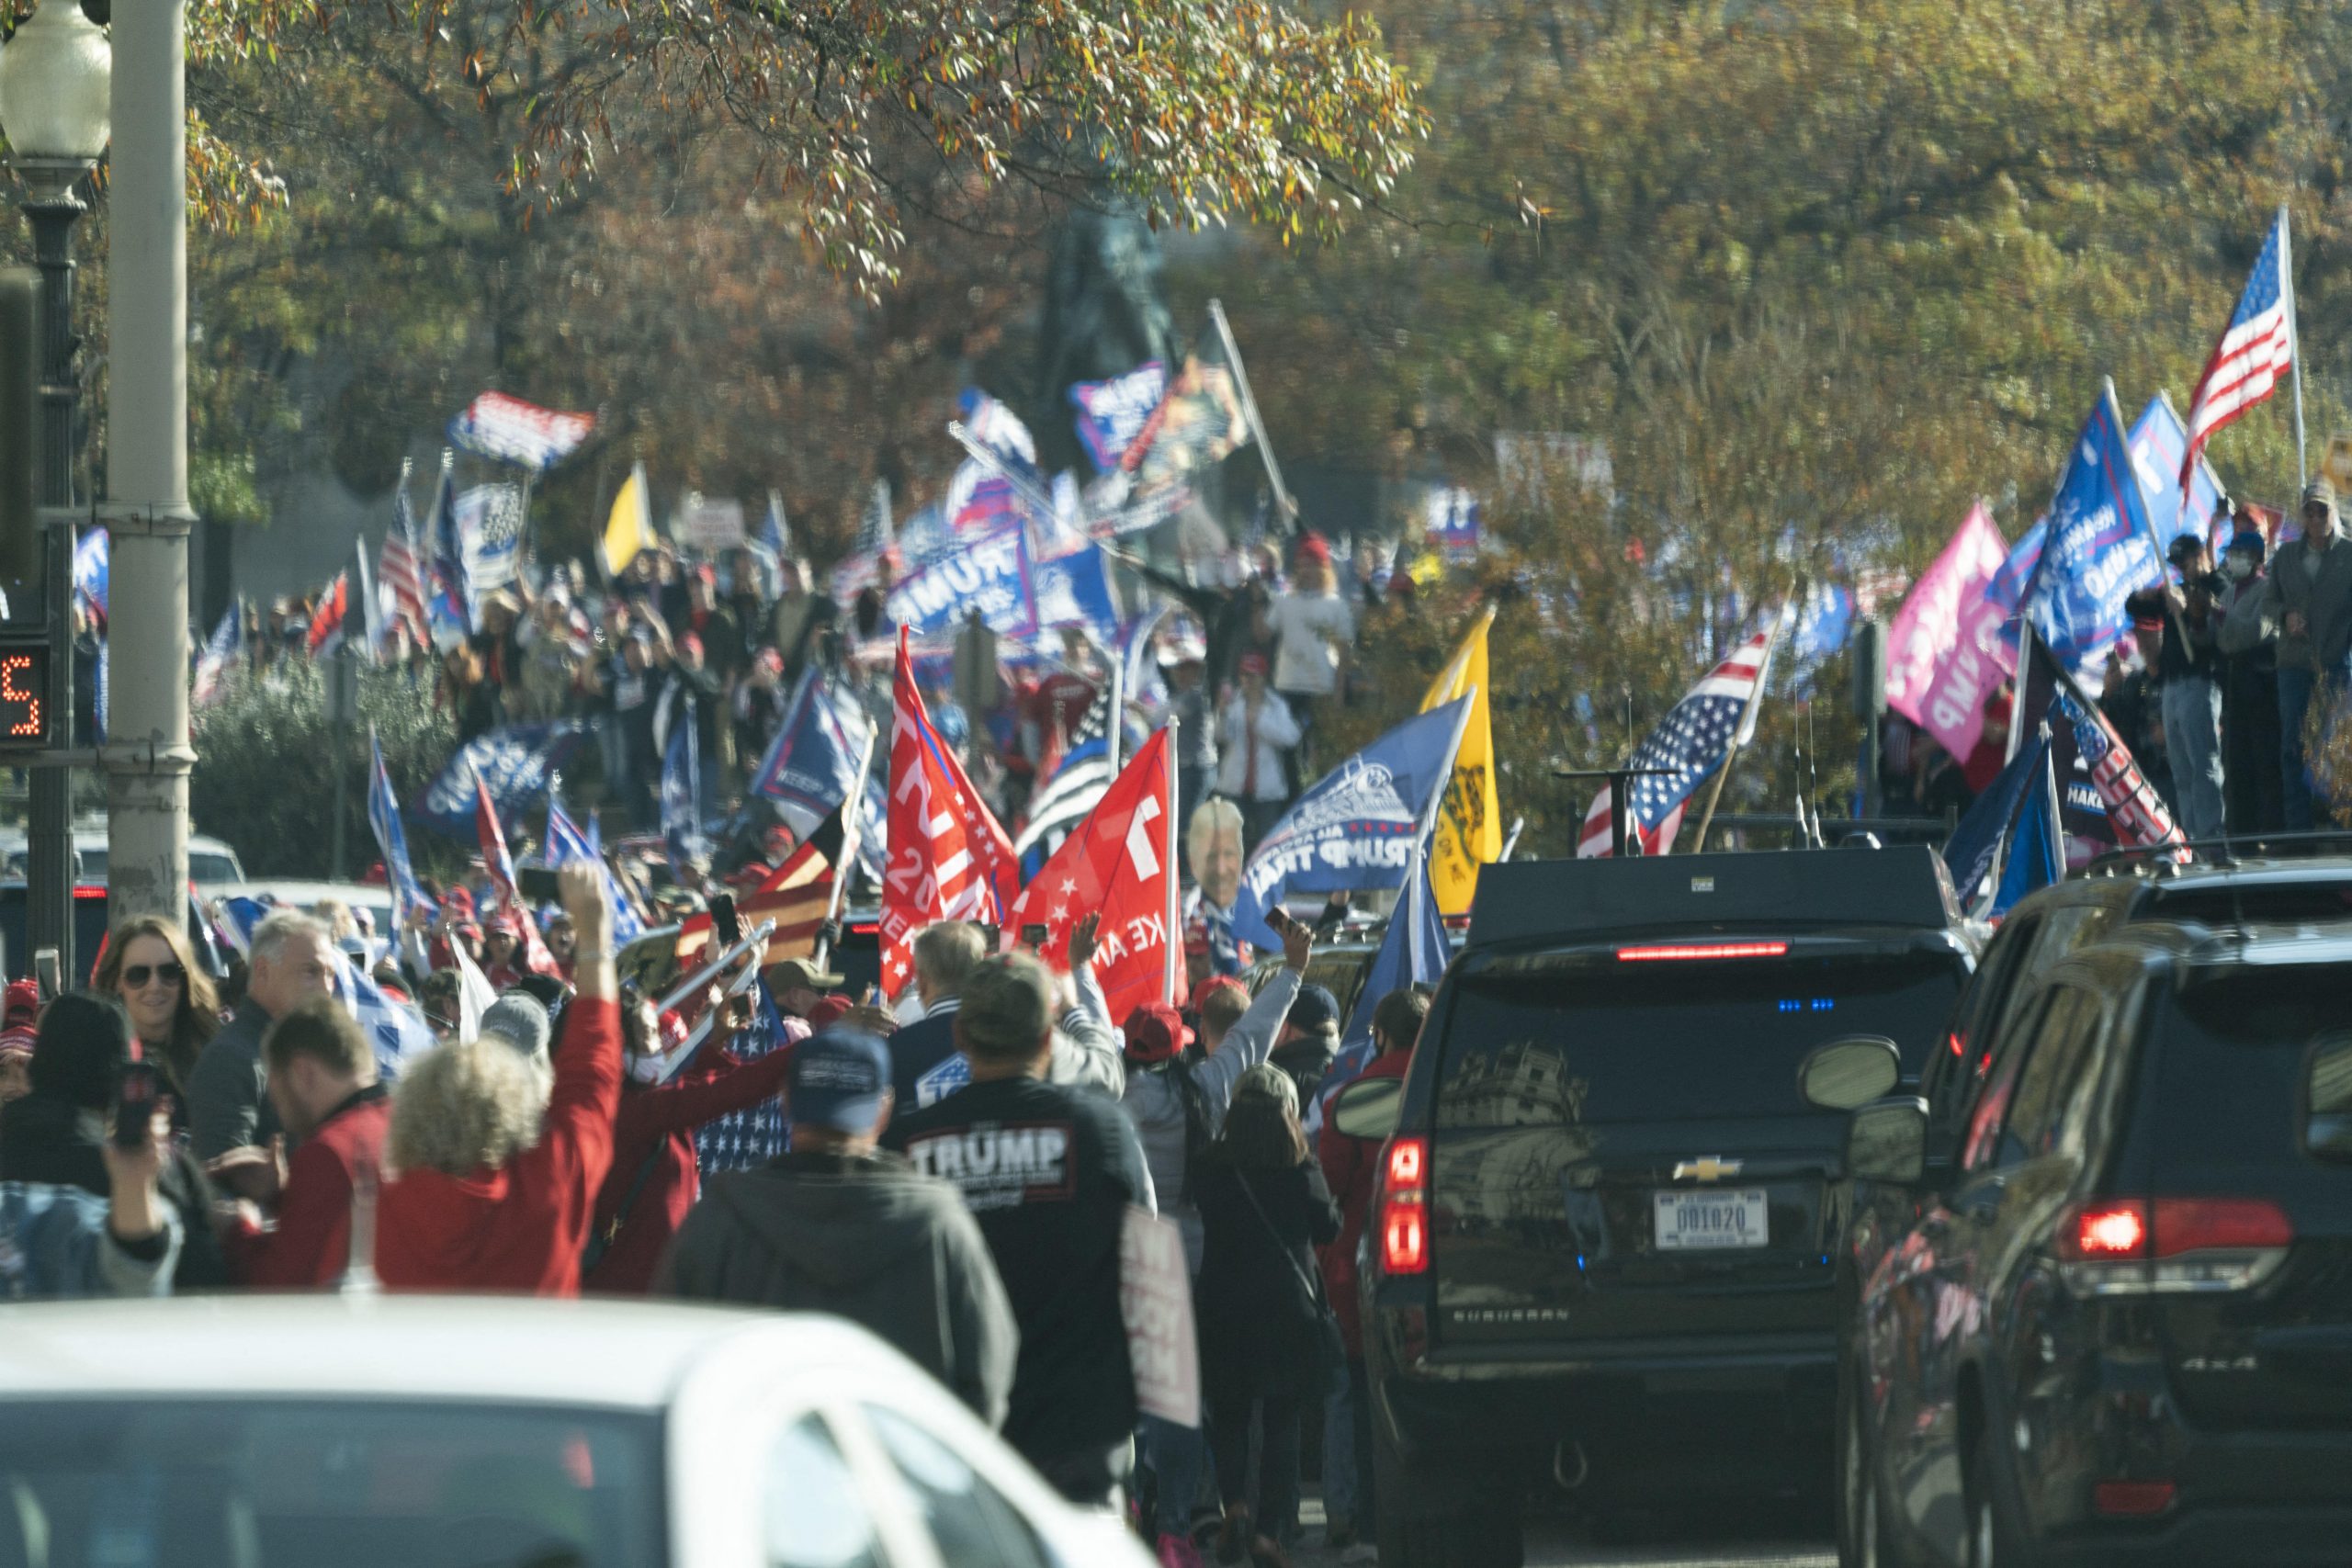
948,858
1119,863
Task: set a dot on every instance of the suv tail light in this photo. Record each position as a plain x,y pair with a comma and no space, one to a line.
1405,1207
2134,1246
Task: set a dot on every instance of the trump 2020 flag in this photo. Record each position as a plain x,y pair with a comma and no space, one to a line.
949,858
514,764
1359,828
1120,864
1687,747
2098,549
384,816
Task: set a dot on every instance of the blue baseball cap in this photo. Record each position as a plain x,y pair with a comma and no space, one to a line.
837,1079
1315,1009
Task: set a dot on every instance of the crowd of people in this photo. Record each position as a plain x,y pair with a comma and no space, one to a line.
2229,667
957,1179
1258,651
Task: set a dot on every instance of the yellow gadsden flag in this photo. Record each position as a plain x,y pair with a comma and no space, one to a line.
630,527
1469,826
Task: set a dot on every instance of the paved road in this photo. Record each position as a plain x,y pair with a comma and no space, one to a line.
1717,1539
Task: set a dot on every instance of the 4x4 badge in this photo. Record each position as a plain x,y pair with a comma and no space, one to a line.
1712,1168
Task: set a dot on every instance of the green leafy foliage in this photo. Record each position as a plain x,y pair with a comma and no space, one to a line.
265,781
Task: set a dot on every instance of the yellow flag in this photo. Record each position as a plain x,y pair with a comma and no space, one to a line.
630,527
1469,826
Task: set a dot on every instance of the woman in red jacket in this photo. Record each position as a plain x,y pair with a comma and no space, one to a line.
655,1179
1352,1168
497,1176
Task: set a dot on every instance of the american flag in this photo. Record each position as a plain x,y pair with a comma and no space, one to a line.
1690,743
227,643
400,579
2256,348
742,1139
1076,784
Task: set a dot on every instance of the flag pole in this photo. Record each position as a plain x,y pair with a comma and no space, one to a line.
1746,727
852,819
1171,944
1116,731
1289,508
2295,337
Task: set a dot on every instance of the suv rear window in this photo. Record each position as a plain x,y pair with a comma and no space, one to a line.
1579,1038
2229,1057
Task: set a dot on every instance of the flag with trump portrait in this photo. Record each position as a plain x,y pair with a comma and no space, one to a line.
1697,736
1360,828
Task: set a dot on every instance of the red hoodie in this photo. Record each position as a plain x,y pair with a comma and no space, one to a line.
312,1245
658,1124
521,1226
1351,1170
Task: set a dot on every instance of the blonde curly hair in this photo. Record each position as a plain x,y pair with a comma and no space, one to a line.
464,1107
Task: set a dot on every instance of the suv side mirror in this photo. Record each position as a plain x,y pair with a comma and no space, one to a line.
2328,1132
1888,1142
1850,1072
1368,1108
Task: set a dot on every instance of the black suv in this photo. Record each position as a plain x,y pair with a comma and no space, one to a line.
2120,1329
2289,877
1608,1242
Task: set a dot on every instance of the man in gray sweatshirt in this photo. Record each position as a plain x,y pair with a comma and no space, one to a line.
838,1225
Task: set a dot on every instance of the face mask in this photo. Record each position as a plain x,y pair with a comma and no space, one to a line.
2238,567
645,1069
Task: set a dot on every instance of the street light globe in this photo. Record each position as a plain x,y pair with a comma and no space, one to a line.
56,90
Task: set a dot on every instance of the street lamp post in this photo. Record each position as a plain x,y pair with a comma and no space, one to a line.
55,98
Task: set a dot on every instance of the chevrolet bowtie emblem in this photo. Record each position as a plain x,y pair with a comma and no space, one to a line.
1711,1169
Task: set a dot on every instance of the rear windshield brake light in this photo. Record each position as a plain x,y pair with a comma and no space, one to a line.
1687,952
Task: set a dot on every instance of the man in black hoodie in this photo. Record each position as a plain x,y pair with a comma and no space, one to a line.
839,1226
1310,1041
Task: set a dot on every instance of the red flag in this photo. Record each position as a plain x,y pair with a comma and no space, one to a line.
536,959
1117,864
949,859
326,621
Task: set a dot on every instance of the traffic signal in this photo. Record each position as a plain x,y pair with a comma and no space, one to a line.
21,430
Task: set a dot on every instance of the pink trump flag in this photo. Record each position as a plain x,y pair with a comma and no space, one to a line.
1944,653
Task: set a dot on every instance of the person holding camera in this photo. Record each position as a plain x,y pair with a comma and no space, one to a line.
2188,672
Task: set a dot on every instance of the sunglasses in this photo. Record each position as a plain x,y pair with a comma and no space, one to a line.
136,975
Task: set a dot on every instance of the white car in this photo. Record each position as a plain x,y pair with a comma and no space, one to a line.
211,862
459,1432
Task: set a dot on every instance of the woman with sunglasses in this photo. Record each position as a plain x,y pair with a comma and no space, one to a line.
150,967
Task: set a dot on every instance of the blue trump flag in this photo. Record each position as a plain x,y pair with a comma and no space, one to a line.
396,1031
514,761
2098,549
566,844
990,574
93,569
1415,952
449,604
681,793
384,816
1973,845
2038,844
1359,829
811,765
2159,443
1074,590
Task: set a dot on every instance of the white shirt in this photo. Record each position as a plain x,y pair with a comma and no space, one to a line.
1311,630
1275,731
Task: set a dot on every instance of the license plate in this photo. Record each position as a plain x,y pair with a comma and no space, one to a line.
1690,1220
